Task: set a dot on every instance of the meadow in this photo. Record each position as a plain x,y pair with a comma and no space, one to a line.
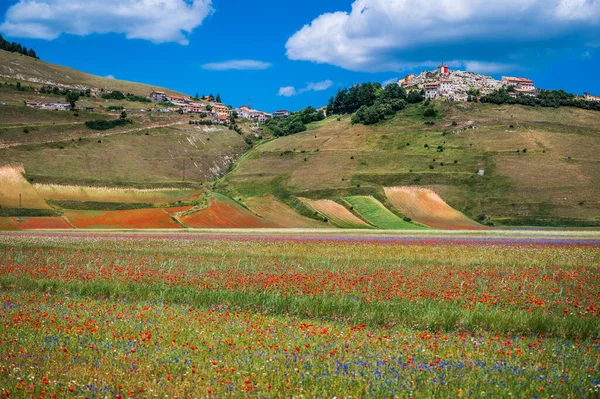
297,314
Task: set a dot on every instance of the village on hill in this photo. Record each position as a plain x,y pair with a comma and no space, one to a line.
463,86
441,83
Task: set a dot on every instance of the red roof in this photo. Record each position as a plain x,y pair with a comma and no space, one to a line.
223,117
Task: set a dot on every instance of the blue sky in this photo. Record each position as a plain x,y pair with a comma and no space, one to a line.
287,54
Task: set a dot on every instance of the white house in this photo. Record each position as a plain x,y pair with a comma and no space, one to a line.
158,96
432,90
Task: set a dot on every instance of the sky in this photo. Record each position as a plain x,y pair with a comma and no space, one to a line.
283,54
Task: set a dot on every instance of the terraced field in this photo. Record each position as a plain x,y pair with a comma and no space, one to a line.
274,211
154,218
426,207
336,214
113,194
223,212
378,215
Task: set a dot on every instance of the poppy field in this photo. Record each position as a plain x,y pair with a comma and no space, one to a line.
296,315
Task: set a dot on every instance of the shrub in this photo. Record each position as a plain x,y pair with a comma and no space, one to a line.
26,130
407,219
430,112
102,124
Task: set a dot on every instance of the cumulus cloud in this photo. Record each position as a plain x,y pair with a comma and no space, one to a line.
384,35
390,81
237,64
159,21
289,91
109,77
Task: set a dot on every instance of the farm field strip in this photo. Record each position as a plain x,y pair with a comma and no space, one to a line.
378,215
426,207
134,218
276,211
336,213
223,212
111,194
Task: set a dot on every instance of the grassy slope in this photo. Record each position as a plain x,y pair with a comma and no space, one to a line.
16,191
378,215
334,159
153,157
27,69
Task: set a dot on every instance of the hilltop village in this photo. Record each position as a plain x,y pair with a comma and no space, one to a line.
461,85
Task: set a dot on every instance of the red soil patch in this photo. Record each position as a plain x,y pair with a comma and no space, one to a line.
222,213
275,211
46,222
152,218
426,207
6,224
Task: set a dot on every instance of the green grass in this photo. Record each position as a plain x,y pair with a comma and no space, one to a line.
378,215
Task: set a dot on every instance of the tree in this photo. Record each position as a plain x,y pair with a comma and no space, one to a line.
393,91
72,97
414,97
218,99
123,114
209,107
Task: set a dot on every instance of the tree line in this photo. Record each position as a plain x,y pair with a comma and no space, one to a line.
294,123
118,95
371,102
14,47
546,98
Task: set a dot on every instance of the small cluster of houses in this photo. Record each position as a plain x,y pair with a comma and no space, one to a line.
49,106
456,85
218,110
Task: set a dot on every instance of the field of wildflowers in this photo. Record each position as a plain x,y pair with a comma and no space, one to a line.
200,315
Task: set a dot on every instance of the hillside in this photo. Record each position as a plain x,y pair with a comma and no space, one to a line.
26,69
496,164
540,165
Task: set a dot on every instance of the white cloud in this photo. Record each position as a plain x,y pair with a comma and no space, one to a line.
384,35
489,67
109,77
287,91
237,64
319,86
159,21
390,81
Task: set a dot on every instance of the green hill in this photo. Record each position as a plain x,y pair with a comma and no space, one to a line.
36,72
539,165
